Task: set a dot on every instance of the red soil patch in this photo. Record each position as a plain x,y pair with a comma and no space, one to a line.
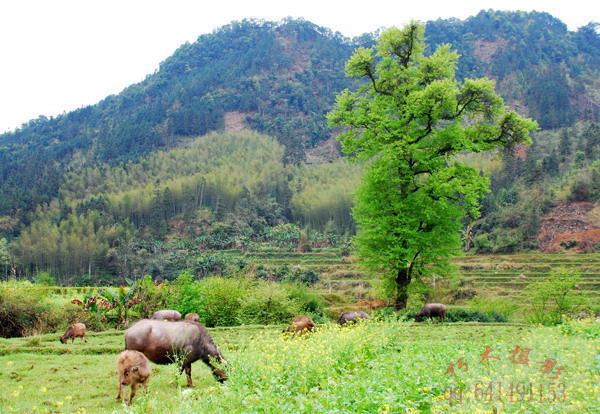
578,242
571,225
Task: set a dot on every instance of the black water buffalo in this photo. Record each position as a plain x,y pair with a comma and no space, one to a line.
352,316
432,310
183,342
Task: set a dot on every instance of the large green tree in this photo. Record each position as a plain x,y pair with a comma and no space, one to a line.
410,120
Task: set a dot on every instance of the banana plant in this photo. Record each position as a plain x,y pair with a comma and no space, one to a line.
123,299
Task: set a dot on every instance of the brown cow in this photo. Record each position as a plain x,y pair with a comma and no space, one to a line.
192,317
134,369
300,324
77,330
166,315
373,304
183,342
432,310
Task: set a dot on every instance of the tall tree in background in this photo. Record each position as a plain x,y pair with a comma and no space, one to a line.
408,120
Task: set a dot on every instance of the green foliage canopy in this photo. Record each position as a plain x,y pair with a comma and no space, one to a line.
408,120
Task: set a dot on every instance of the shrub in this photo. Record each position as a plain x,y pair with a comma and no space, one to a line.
466,315
45,279
185,296
152,297
20,309
58,320
220,300
309,301
388,314
268,303
483,244
553,296
504,307
306,276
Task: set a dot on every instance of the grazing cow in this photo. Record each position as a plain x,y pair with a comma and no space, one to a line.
352,316
134,369
432,310
192,317
300,325
183,342
166,315
77,330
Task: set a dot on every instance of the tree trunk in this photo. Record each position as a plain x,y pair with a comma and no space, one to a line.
402,282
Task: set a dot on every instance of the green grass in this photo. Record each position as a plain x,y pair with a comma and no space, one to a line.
389,367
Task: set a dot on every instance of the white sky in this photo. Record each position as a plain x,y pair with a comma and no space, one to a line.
59,55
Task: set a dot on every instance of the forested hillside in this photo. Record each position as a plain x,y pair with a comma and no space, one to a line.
143,180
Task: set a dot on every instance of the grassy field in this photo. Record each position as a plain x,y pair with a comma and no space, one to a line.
377,367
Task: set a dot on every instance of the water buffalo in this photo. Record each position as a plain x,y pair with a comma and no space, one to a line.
183,342
134,369
192,317
352,316
300,324
77,330
432,310
166,315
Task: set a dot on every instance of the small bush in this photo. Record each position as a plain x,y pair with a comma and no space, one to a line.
154,297
306,276
186,294
505,308
466,315
554,296
45,279
268,303
20,308
220,300
388,314
309,301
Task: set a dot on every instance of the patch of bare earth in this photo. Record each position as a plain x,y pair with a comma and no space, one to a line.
326,151
484,50
235,121
571,226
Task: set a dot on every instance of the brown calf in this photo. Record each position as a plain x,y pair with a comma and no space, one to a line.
300,324
77,330
192,317
134,369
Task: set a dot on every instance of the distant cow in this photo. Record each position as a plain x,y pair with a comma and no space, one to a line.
134,369
300,325
192,317
373,304
77,330
432,310
352,316
168,315
183,342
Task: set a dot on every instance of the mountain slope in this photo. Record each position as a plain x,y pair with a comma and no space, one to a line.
280,79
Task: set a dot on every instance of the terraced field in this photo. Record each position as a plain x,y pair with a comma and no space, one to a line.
496,276
507,275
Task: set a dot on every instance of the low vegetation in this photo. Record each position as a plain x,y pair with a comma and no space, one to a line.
377,366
